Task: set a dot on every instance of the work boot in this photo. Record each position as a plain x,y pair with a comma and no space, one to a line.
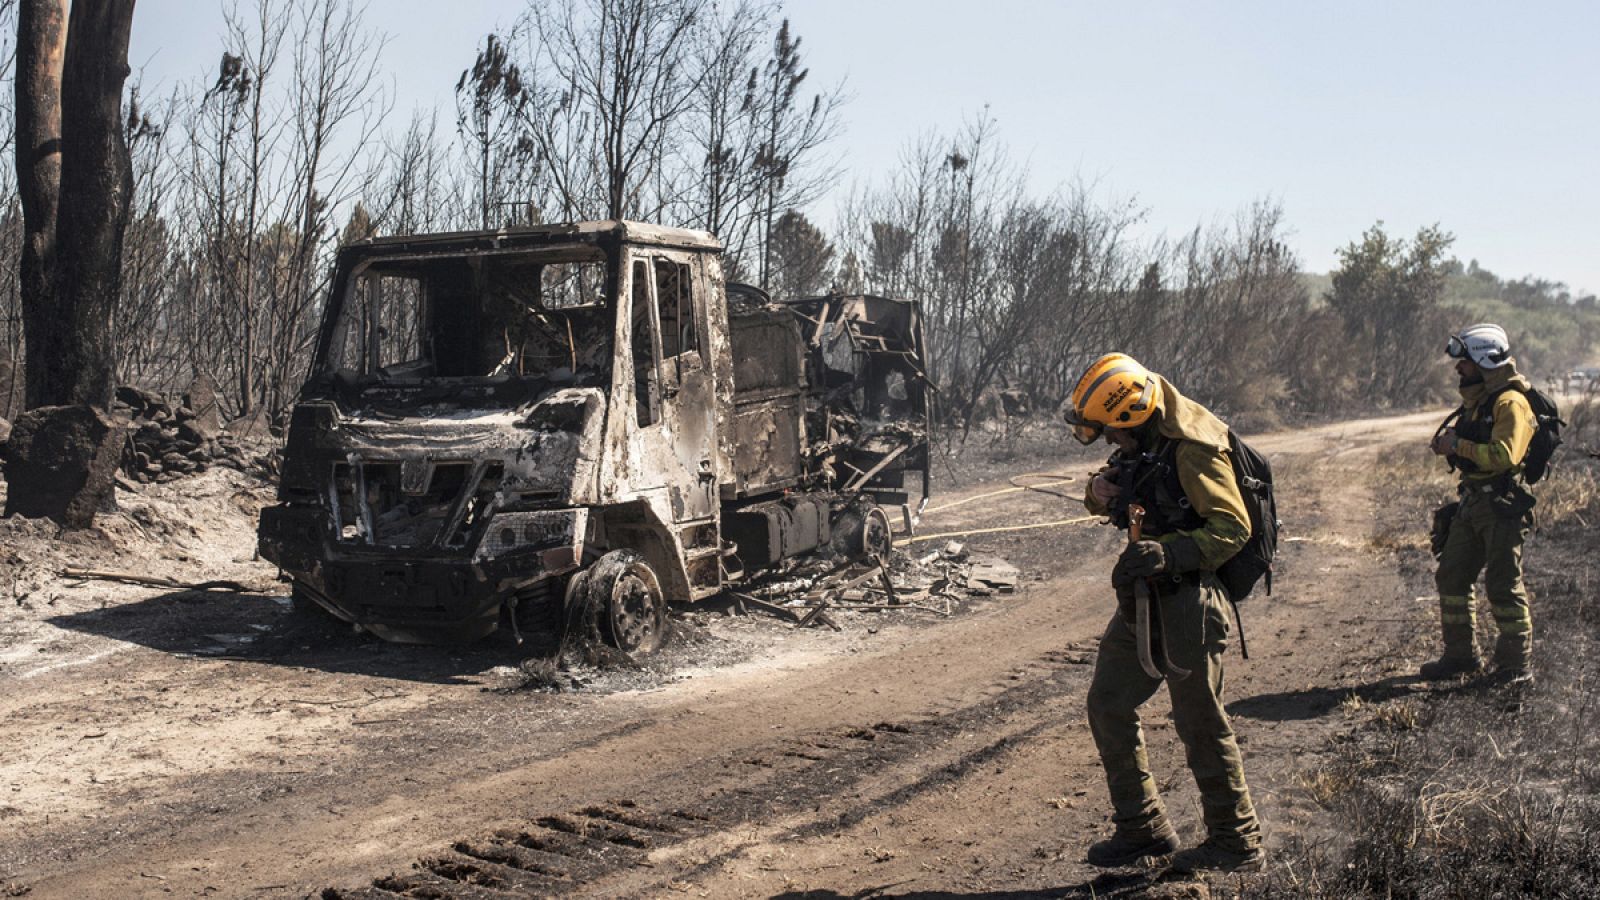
1460,655
1124,848
1213,857
1511,653
1510,678
1448,666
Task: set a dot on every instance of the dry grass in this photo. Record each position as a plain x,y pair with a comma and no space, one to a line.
1582,415
1474,791
1325,786
1568,497
1570,494
1397,715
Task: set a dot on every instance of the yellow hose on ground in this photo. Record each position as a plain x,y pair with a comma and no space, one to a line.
949,534
1016,488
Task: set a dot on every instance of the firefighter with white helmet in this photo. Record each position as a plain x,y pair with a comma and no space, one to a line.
1488,444
1173,464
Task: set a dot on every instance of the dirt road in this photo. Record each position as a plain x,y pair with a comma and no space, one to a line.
219,745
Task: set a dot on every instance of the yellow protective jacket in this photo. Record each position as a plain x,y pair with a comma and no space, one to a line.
1513,428
1206,473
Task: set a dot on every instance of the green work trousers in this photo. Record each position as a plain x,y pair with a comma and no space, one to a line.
1194,619
1486,536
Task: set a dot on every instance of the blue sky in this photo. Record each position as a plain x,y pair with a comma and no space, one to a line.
1482,117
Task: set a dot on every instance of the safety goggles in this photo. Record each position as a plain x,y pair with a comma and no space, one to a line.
1455,348
1085,431
1088,432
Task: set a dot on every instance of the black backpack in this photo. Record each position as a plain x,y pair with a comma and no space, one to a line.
1254,560
1546,438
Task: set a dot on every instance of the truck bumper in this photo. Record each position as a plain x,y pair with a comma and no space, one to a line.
401,595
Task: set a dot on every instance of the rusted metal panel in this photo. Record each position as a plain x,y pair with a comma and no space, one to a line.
870,417
769,409
767,435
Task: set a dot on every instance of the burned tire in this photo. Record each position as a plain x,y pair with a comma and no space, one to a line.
625,595
578,621
877,538
862,532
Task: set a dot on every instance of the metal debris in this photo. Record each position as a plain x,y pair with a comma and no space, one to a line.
935,582
996,573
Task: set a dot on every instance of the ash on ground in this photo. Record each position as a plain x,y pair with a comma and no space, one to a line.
817,599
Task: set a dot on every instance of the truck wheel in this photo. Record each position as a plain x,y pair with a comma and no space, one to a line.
877,538
862,531
626,594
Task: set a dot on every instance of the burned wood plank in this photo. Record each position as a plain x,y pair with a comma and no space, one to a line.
997,573
866,476
152,580
812,616
786,612
888,582
822,323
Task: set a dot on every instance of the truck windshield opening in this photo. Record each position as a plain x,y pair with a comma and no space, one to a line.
543,315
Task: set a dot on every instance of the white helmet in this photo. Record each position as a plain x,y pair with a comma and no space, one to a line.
1484,344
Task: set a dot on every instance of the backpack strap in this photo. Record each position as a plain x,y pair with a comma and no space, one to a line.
1444,426
1455,415
1238,620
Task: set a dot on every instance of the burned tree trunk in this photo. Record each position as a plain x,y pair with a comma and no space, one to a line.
72,161
96,184
41,42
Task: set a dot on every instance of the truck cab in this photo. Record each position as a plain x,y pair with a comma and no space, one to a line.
580,415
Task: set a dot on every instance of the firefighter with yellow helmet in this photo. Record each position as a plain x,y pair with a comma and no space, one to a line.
1488,444
1172,462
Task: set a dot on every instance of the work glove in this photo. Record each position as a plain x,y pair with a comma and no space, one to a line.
1140,560
1143,559
1444,443
1104,487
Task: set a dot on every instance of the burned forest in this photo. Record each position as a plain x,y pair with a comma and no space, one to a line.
745,448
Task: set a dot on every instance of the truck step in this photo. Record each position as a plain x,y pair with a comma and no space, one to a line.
725,551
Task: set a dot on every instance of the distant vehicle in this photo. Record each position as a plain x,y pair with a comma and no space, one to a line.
1578,379
583,415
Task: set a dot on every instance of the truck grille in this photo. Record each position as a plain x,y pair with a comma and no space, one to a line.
391,503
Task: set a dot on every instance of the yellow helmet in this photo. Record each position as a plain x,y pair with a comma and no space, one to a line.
1115,392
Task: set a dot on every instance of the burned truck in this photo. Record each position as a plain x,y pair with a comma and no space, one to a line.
587,417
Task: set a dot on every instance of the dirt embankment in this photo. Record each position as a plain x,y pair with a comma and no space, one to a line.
170,743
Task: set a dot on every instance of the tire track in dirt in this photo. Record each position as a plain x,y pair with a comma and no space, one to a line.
878,767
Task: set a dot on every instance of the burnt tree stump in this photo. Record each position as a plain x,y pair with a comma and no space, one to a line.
61,463
201,400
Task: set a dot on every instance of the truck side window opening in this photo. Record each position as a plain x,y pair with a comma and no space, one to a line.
677,312
644,358
568,285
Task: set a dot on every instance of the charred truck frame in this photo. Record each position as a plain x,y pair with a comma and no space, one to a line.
583,415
